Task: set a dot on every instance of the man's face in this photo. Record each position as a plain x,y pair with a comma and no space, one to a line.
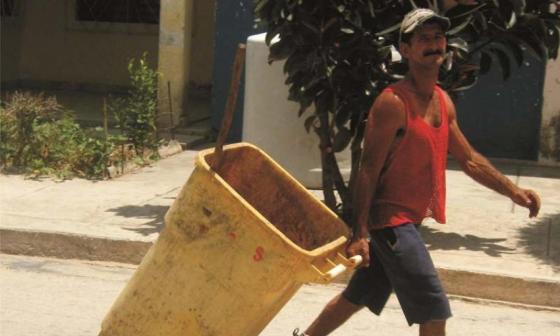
426,47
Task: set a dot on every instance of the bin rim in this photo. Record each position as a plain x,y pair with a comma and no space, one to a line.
319,251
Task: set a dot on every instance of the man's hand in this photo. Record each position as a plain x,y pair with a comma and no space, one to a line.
359,247
528,199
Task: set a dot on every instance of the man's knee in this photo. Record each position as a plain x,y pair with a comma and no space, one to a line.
433,328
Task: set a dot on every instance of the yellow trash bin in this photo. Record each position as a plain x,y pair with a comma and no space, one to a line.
237,245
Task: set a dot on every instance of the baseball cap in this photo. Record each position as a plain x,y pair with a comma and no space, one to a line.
415,18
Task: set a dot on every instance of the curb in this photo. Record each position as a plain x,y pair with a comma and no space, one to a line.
71,246
494,287
498,287
164,151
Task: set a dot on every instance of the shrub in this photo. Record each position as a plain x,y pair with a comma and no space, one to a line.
136,113
41,138
20,115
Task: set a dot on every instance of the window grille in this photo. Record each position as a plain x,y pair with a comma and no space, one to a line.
122,11
8,8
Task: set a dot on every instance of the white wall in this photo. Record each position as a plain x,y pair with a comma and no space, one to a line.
271,122
551,104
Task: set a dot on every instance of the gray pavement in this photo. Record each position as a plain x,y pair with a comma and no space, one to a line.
130,207
71,297
489,248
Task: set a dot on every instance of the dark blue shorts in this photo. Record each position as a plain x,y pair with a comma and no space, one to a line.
400,262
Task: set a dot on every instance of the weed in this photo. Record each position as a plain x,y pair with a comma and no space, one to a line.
40,137
136,113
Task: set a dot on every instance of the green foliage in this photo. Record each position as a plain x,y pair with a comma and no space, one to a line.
136,114
499,33
19,118
38,136
338,59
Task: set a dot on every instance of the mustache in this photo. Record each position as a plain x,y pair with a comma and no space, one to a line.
433,52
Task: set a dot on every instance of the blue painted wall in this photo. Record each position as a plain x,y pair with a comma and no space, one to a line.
234,23
502,119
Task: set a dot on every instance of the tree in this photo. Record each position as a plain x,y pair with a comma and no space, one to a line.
339,57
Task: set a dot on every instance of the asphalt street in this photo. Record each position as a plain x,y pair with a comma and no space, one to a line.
43,296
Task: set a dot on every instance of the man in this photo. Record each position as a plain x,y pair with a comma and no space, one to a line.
410,129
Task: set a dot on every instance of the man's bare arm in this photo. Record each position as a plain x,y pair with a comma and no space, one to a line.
481,170
385,118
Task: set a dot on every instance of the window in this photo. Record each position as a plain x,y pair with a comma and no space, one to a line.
121,11
8,8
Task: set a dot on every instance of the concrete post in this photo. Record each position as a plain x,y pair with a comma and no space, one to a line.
551,104
175,38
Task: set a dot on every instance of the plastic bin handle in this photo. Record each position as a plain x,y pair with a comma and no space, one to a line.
341,268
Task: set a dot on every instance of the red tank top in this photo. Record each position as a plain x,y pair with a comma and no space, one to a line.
411,186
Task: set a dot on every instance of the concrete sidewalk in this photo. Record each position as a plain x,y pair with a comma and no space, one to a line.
489,248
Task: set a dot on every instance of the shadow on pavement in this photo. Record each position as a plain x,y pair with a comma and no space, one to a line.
542,240
438,240
154,215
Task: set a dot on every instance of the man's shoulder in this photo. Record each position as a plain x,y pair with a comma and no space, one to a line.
389,108
450,106
390,100
444,92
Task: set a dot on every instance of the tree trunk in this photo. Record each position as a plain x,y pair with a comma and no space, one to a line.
326,164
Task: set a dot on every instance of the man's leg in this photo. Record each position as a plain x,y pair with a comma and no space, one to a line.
335,313
432,328
413,276
368,287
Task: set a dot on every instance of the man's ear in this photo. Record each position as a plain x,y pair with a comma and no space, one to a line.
404,49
